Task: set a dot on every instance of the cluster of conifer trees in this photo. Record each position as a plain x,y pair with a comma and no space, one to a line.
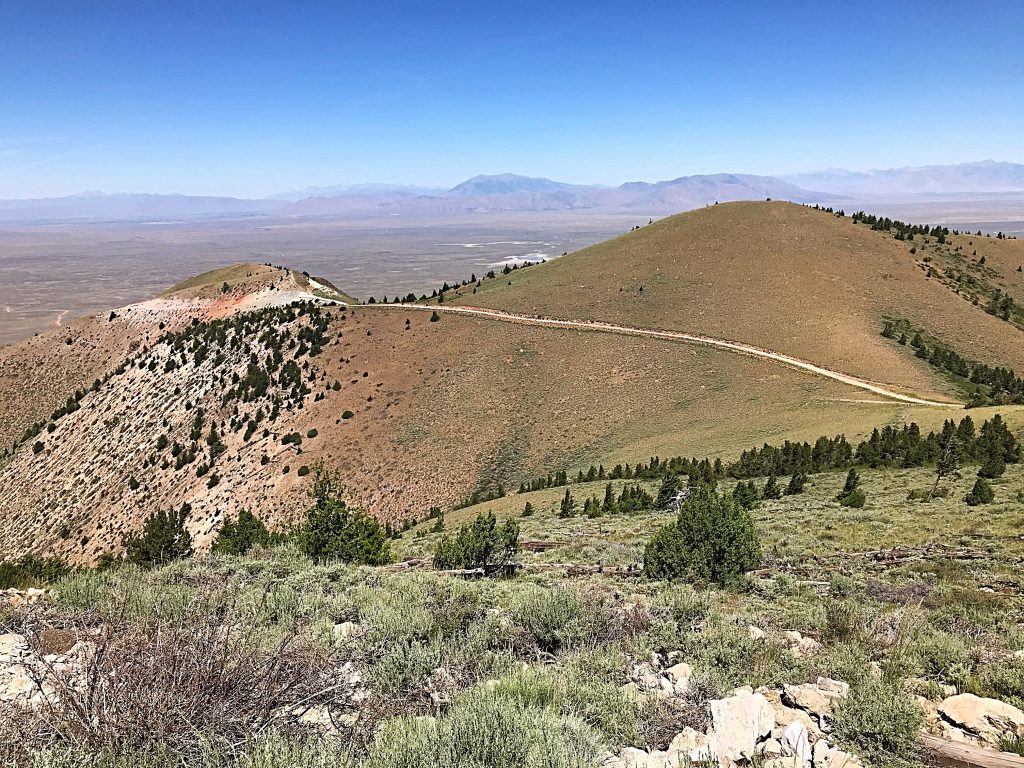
438,293
632,498
887,446
1001,385
702,469
903,230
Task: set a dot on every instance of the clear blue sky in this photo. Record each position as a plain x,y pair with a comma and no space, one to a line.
251,98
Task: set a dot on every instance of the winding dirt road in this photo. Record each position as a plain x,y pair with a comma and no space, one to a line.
689,338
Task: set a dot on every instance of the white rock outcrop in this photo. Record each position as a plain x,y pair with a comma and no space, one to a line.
738,723
988,720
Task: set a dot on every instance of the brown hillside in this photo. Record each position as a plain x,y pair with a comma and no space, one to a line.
440,409
445,408
776,275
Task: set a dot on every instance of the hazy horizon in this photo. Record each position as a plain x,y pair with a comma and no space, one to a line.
375,186
214,100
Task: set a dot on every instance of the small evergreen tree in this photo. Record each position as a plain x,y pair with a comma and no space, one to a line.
772,489
236,537
479,544
438,526
852,495
855,498
992,466
333,531
668,491
852,483
746,494
949,455
712,538
981,493
568,508
796,484
164,538
608,505
32,571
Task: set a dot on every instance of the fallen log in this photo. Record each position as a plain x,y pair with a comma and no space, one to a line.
956,755
539,546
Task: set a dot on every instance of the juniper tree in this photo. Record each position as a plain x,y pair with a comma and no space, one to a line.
796,484
438,525
164,537
981,493
746,494
712,538
568,508
852,483
479,544
948,464
609,499
334,531
238,536
852,495
668,491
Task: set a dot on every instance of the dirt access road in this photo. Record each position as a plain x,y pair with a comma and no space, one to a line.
688,338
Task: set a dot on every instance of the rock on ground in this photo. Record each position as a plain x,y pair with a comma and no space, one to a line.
988,720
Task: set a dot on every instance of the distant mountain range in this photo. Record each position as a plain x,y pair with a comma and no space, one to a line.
512,193
356,189
97,206
985,177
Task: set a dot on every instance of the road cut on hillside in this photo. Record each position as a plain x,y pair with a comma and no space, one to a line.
689,338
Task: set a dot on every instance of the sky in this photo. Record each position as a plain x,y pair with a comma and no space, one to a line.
252,98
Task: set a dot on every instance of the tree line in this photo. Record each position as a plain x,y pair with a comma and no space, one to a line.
996,385
887,446
439,293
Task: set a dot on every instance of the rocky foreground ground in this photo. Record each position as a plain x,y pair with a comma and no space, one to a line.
787,726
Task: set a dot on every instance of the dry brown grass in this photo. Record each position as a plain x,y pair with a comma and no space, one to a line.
448,407
777,275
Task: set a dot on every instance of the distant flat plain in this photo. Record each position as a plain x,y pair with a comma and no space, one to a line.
51,273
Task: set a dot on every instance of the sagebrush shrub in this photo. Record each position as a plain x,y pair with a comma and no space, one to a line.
487,729
182,687
554,618
879,721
